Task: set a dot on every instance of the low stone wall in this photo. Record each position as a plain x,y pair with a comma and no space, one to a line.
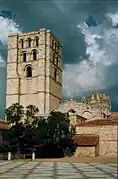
85,151
108,137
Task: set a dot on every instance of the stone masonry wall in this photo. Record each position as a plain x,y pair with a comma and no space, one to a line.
85,151
107,138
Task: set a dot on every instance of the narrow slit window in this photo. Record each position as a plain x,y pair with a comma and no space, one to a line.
55,74
56,46
24,56
37,41
57,61
53,58
53,43
22,43
58,49
29,42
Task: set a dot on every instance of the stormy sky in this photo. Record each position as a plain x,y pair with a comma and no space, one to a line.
88,31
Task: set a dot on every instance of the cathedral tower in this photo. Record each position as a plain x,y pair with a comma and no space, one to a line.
34,70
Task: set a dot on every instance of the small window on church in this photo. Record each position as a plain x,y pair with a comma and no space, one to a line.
55,74
29,42
53,43
34,55
22,44
24,56
36,41
29,71
53,58
56,46
57,60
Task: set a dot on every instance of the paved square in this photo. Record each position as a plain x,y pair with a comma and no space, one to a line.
56,170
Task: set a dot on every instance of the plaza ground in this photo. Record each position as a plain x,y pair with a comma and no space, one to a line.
56,170
102,160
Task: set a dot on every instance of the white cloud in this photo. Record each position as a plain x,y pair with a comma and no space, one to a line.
2,62
101,48
7,26
113,17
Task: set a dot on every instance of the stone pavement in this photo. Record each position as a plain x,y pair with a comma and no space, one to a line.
56,170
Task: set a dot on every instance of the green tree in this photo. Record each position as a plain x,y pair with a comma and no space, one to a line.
31,116
58,125
56,129
30,125
14,113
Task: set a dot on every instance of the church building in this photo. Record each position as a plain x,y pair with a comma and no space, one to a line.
34,76
34,70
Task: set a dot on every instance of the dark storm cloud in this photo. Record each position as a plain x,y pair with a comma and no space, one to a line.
90,21
60,16
6,14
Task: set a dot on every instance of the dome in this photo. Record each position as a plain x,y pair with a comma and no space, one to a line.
96,96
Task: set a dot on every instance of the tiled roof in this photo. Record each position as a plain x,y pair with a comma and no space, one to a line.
86,139
3,124
99,122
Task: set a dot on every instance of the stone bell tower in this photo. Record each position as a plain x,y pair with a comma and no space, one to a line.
34,70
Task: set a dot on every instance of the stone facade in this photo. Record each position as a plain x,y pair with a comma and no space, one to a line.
34,70
88,144
108,138
85,151
92,107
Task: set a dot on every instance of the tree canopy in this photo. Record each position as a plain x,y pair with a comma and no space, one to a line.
27,128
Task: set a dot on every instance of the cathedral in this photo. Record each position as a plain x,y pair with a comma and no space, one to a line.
34,70
34,76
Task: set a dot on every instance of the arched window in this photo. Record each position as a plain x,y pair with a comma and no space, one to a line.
29,42
34,55
24,56
28,71
22,44
36,41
